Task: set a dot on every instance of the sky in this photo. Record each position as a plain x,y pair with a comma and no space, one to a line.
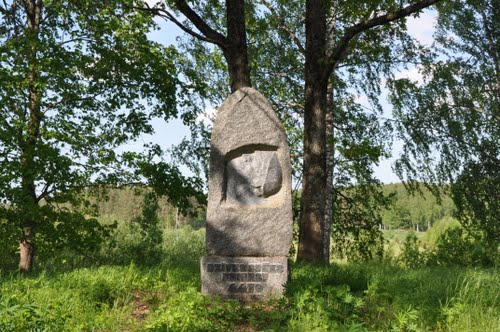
171,133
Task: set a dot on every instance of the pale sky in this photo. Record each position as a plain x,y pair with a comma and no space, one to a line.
171,133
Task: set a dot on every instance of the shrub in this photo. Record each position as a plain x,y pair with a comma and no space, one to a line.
439,228
457,247
412,254
184,245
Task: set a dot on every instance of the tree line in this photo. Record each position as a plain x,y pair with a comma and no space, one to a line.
406,211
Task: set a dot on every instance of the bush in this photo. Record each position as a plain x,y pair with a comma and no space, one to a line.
456,247
412,254
9,246
439,228
139,240
184,245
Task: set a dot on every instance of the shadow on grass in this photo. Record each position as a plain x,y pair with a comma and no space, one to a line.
381,295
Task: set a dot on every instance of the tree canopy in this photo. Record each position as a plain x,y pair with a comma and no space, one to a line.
450,124
78,80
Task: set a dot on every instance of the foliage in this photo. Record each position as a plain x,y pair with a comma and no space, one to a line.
476,195
456,246
127,244
78,81
8,244
450,122
139,240
412,256
439,228
185,312
324,299
398,217
356,219
415,299
448,244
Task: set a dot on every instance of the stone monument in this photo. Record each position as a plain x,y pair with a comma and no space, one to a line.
249,214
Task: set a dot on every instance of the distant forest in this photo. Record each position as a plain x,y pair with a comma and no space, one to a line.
126,204
417,211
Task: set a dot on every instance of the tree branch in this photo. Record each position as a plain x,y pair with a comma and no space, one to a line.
285,27
72,40
208,34
216,37
351,32
290,80
93,98
288,104
45,192
492,49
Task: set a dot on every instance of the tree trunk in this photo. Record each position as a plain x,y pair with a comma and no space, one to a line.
27,240
236,50
314,167
33,10
27,248
233,46
330,148
330,159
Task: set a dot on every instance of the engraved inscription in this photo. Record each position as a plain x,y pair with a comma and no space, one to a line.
245,288
252,177
244,278
243,267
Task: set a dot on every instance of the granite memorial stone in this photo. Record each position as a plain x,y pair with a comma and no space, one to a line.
249,214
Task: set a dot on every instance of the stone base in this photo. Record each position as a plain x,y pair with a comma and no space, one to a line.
244,278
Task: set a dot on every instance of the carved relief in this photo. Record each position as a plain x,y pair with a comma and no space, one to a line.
252,177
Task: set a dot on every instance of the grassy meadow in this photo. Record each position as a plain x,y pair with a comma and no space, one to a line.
71,294
146,277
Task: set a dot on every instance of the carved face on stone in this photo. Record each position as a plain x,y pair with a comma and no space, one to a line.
252,177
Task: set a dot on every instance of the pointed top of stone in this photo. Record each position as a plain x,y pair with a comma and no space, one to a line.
246,118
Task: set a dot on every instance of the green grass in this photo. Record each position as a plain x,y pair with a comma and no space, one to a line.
373,296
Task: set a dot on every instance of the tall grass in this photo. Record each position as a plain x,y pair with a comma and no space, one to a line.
473,302
112,295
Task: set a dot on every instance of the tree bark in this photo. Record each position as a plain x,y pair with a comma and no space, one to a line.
235,52
330,148
330,161
314,166
233,46
27,248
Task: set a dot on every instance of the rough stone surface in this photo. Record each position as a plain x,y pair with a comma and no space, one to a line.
244,278
249,200
252,178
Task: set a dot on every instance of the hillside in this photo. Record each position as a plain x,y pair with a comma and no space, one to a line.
419,211
126,204
408,211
